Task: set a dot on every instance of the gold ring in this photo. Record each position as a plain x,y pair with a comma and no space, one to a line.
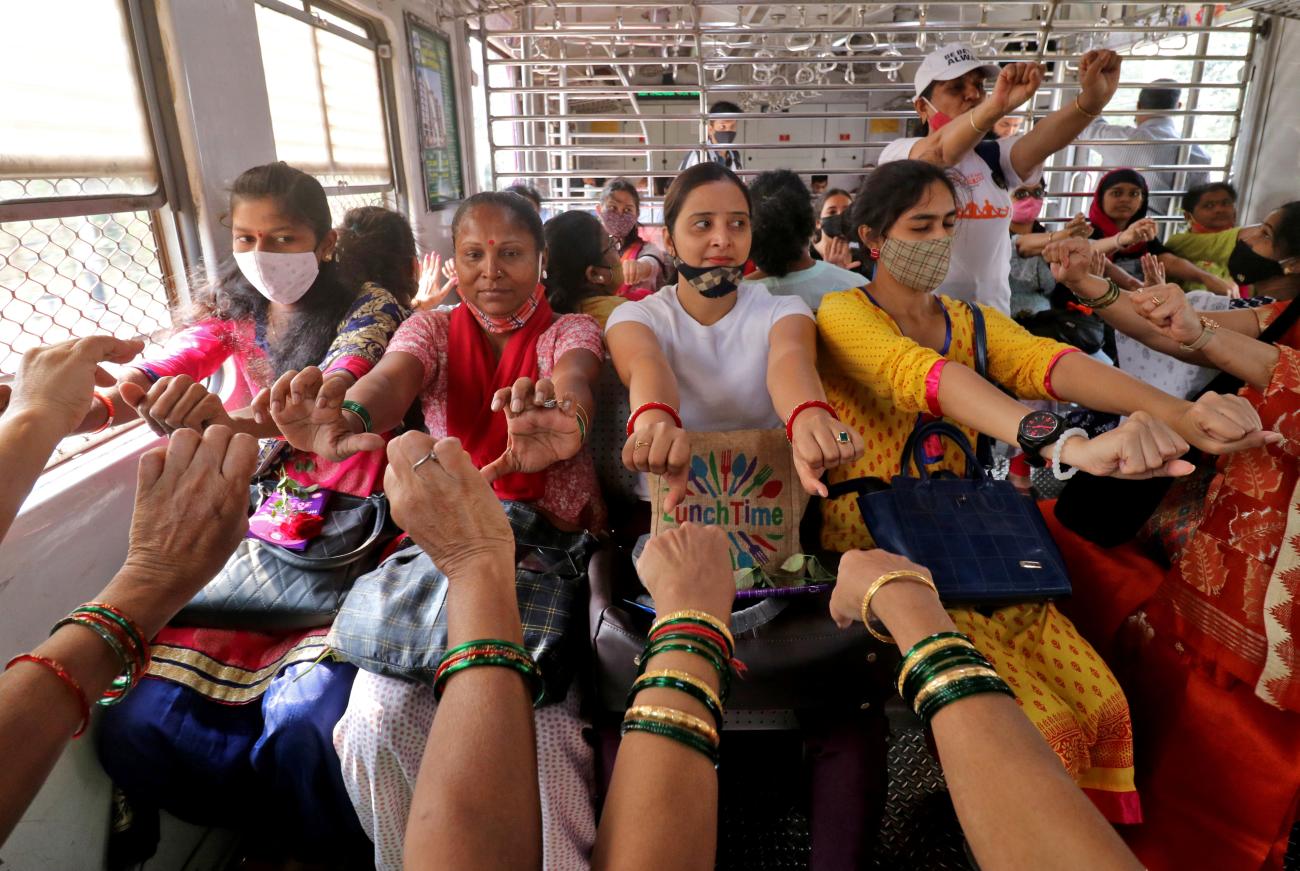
426,458
636,445
1157,300
843,437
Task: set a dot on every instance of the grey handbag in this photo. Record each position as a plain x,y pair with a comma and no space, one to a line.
266,587
395,621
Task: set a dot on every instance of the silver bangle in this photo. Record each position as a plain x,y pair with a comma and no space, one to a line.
1074,432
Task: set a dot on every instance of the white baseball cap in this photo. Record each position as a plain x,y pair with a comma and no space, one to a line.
950,62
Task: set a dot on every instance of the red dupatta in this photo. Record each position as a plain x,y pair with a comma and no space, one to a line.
1097,215
479,374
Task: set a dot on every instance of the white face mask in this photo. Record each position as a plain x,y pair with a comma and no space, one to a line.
281,278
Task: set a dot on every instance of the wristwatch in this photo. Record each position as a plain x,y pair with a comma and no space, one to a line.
1038,429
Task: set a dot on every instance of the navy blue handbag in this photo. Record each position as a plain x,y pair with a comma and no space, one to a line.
981,540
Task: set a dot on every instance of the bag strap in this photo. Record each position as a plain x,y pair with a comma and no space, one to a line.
914,449
983,444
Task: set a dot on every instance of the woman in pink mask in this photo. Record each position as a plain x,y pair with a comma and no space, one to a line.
958,111
646,268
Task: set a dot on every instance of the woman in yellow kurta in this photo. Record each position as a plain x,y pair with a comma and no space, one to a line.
892,352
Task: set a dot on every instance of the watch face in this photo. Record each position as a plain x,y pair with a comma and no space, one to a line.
1039,425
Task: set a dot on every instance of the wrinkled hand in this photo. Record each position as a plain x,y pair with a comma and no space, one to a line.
191,510
859,569
431,294
307,407
1140,447
55,382
689,568
1220,424
537,437
658,447
836,251
174,402
446,506
1070,260
817,447
1165,306
1098,79
1015,85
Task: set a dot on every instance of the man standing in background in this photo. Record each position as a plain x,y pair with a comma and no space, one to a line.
719,131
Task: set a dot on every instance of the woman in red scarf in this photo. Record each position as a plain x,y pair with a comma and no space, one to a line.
1119,212
502,350
512,380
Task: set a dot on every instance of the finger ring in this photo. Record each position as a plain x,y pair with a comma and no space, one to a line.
636,445
550,403
843,437
1157,300
426,458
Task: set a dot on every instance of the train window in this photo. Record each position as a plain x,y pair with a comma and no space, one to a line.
81,193
328,103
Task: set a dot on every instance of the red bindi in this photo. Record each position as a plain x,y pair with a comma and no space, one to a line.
492,241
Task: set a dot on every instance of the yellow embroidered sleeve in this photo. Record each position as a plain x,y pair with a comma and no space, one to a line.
863,343
1019,360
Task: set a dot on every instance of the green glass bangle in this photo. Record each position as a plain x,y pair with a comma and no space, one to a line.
676,733
359,410
483,643
672,683
124,681
936,664
898,669
723,653
971,686
532,675
718,663
126,625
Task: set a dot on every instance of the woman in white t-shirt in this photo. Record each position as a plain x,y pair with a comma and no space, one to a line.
713,353
951,100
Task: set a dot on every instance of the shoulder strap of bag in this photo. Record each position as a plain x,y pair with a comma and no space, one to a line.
983,444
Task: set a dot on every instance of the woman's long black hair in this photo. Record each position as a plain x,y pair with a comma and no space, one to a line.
574,241
232,297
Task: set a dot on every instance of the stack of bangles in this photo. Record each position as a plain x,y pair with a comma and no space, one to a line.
944,668
490,651
700,634
584,421
1106,300
122,636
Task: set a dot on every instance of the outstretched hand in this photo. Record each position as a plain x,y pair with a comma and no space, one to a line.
541,429
308,409
55,383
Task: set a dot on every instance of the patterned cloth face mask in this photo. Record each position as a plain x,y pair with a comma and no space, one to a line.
919,265
712,282
618,224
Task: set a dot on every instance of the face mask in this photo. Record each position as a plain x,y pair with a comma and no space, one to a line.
281,278
617,224
712,282
833,226
937,118
1026,210
919,265
724,137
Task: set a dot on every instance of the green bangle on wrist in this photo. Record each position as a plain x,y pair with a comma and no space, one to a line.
359,410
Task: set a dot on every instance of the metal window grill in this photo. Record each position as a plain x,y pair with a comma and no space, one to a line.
600,90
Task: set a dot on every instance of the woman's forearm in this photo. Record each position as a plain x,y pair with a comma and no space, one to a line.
574,374
26,441
1048,136
388,390
970,400
954,140
1079,378
1249,359
792,377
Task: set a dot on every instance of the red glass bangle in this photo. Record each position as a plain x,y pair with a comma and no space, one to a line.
108,406
68,680
654,406
800,409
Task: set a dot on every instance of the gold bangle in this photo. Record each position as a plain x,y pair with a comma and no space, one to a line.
1106,300
970,116
686,678
703,616
1079,106
921,653
673,717
947,677
875,588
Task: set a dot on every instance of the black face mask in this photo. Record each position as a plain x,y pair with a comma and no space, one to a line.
724,137
833,226
712,282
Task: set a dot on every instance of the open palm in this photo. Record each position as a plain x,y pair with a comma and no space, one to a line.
536,439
